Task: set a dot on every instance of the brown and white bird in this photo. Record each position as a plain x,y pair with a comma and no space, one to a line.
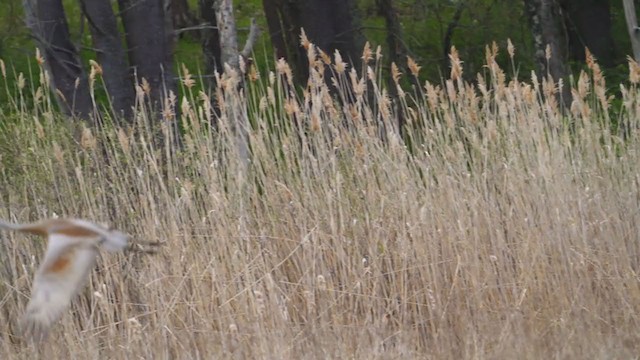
71,254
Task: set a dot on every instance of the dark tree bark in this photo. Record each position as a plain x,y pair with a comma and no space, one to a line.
329,24
548,29
181,15
210,39
397,50
149,46
281,28
448,35
589,25
284,30
48,24
111,54
333,25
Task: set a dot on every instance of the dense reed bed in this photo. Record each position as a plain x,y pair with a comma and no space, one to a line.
494,224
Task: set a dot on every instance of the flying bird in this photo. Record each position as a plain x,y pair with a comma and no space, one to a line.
70,256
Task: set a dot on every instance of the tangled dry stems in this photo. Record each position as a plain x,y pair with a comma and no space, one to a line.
494,225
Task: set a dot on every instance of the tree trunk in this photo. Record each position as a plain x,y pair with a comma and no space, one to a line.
332,25
181,15
448,35
397,50
235,109
284,29
632,26
227,31
211,50
589,25
148,45
281,27
210,38
48,24
545,18
111,54
329,24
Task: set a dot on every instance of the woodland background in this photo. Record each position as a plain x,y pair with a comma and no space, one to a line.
154,37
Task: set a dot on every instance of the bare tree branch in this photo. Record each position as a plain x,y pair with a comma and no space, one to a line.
632,26
254,32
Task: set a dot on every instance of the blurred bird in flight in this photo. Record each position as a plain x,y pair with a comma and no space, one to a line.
71,254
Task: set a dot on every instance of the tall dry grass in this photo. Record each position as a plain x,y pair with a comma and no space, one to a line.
498,228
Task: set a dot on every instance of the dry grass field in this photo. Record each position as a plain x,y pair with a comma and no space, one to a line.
501,228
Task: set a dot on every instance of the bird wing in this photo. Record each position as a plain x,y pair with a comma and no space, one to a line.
63,272
6,225
32,228
111,240
115,241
